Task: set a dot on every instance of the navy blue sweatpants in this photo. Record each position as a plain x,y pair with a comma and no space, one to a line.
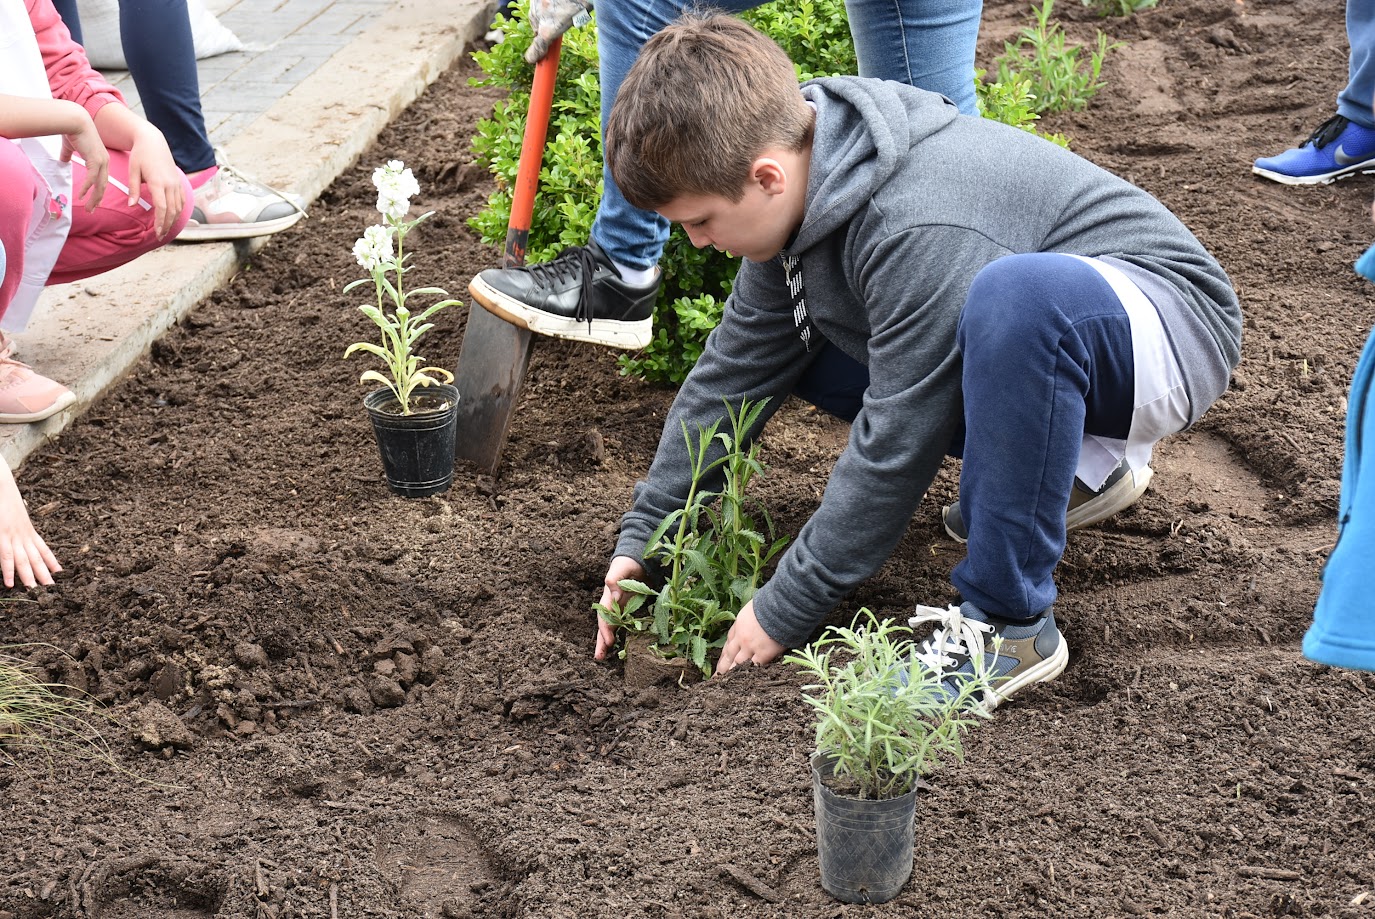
1048,357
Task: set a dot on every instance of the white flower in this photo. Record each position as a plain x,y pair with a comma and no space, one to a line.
394,209
374,248
396,185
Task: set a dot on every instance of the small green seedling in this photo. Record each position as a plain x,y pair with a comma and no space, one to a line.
712,552
381,252
883,719
1108,8
1061,79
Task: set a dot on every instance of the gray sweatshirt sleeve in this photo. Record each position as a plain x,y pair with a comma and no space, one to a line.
753,354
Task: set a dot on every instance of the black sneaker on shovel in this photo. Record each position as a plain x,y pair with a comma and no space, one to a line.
578,295
1086,507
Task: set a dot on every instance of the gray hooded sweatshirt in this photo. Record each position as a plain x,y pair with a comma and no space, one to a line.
906,201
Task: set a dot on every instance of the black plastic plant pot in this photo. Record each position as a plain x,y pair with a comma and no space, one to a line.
864,845
417,449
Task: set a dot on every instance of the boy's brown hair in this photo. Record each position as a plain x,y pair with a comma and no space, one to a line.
704,99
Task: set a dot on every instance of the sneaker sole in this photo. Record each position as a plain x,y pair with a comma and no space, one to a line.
1043,672
1326,178
1126,492
212,232
64,401
627,336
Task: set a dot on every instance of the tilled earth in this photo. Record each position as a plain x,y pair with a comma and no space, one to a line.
325,701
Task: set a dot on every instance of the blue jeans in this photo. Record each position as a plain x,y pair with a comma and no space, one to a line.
834,382
927,43
1048,358
1354,102
158,47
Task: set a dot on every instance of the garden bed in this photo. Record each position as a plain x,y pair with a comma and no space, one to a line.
327,701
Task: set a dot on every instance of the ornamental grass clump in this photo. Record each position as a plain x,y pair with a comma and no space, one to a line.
43,719
712,552
883,719
381,251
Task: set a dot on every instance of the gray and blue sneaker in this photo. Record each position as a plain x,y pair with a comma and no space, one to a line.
1014,654
1086,507
1337,149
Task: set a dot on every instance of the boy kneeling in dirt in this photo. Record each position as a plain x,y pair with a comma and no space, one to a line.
947,283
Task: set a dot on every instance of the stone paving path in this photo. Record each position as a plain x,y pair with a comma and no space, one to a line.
284,42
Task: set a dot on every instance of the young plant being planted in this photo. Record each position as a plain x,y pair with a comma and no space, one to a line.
884,723
711,553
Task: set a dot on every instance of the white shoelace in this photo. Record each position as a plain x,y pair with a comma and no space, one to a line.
955,639
239,180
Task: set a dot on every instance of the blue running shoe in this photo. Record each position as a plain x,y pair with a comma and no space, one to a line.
968,641
1337,149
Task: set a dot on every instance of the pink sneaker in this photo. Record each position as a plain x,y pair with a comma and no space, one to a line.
26,396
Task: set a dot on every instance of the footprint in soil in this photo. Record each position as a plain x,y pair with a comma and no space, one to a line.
440,866
128,887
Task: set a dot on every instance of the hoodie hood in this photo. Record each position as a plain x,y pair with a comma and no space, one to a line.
865,129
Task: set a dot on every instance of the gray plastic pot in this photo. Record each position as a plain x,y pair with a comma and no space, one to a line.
417,449
864,845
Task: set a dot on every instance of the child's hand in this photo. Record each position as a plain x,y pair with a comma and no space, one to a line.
550,19
747,642
151,164
622,567
86,143
22,550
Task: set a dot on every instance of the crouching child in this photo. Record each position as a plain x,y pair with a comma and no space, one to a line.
946,283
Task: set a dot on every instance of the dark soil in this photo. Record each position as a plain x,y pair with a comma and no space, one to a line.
327,701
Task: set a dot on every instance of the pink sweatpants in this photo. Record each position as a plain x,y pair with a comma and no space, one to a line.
114,234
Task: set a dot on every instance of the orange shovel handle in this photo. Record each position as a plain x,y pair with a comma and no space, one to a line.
531,157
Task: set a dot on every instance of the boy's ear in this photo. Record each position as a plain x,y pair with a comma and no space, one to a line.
770,175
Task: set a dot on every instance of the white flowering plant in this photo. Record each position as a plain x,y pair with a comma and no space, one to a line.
381,251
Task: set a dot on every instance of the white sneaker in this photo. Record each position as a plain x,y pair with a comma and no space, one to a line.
232,206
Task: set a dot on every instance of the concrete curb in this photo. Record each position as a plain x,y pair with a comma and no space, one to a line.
90,333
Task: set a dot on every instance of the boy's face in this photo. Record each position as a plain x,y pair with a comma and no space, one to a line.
756,227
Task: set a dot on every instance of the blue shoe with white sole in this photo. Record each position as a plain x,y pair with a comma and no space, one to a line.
1337,149
967,641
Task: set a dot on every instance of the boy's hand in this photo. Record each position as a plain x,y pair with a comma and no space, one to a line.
550,19
747,642
622,567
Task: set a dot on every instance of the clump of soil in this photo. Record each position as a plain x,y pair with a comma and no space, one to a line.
326,700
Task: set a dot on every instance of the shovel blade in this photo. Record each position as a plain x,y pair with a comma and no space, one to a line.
492,365
495,353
